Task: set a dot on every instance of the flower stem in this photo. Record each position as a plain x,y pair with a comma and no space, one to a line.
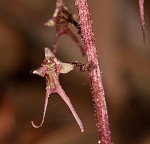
94,75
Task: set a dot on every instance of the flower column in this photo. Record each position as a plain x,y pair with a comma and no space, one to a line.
95,75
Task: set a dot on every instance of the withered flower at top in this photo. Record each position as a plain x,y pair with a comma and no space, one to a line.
61,18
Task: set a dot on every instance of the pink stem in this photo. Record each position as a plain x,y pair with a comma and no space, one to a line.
95,75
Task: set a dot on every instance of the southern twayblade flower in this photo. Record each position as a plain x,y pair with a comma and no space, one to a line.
50,69
61,19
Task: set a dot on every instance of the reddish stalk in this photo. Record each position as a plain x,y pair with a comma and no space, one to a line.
95,74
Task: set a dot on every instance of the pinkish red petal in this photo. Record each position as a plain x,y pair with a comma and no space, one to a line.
141,9
48,92
66,99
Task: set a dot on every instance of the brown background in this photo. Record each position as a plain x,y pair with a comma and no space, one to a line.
125,62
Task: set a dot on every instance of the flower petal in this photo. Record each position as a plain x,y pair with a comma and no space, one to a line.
65,68
48,92
48,54
141,9
63,95
38,72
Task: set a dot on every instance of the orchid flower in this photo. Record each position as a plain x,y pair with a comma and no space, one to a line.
50,69
61,19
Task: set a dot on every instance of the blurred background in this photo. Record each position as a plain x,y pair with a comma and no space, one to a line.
124,61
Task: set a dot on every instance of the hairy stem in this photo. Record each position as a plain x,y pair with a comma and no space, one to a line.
95,75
